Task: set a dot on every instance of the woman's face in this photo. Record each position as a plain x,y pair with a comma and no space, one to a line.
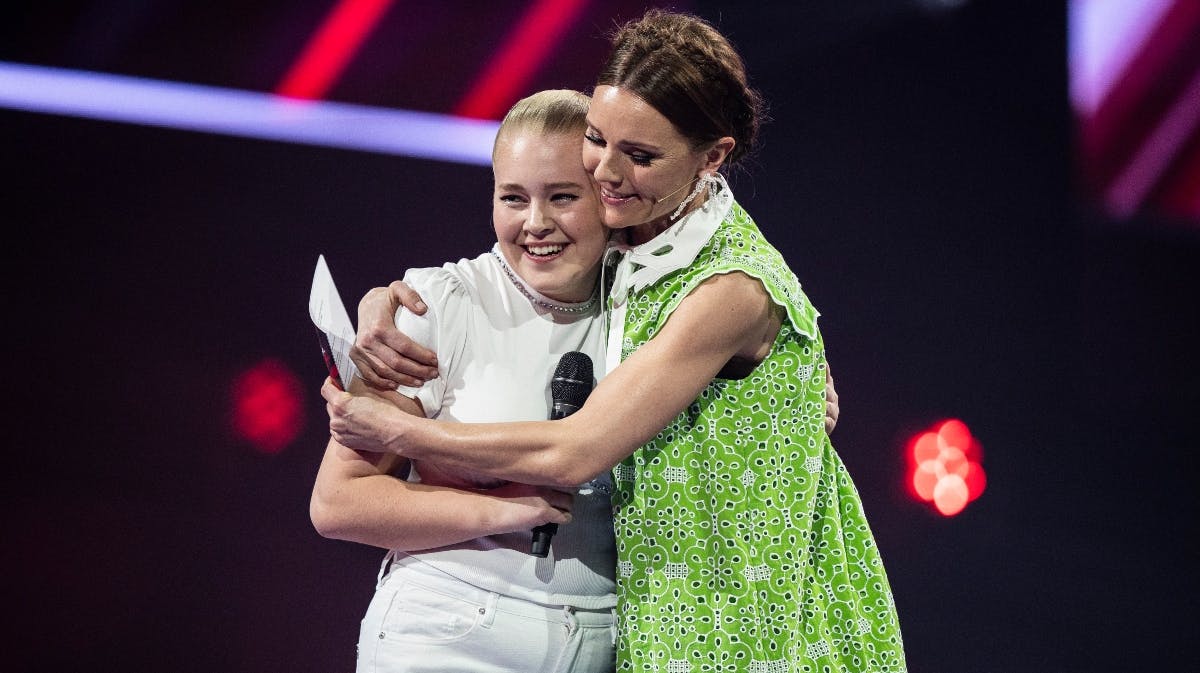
546,214
642,164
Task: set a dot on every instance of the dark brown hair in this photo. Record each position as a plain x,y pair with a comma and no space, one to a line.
687,70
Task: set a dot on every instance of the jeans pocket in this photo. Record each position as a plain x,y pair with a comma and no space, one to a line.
421,614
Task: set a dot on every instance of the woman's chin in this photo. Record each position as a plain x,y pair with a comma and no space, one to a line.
619,218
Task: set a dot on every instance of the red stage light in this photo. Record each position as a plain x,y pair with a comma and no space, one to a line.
946,466
330,49
524,50
267,406
950,495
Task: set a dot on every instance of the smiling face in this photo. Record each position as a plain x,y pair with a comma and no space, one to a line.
643,165
546,214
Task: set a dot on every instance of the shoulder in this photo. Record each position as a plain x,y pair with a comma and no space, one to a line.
451,292
738,240
452,279
731,302
739,249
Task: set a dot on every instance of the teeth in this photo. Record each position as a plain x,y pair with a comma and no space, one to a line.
545,249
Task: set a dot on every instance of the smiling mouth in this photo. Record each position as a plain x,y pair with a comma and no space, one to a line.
544,250
615,198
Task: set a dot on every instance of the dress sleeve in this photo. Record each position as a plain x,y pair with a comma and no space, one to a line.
749,253
440,329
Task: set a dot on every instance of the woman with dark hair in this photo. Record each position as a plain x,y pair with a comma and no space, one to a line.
741,540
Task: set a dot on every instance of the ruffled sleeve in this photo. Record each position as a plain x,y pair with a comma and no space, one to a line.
735,245
742,247
439,329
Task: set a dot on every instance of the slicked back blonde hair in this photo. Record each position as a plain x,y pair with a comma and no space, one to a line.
552,111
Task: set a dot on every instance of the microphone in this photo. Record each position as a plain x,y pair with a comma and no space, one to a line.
569,389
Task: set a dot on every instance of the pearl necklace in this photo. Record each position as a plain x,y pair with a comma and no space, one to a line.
564,308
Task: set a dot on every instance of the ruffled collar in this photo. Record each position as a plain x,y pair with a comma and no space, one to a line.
675,248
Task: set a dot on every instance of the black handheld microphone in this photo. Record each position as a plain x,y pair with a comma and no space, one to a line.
569,389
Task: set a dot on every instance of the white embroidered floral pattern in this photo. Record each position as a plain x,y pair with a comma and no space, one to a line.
743,542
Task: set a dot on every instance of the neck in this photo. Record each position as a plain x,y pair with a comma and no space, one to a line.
562,305
640,233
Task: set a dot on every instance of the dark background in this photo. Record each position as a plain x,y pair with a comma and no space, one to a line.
917,175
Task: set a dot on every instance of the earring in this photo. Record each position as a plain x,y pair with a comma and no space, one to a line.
703,181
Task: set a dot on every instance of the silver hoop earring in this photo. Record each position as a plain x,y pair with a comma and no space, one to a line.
702,182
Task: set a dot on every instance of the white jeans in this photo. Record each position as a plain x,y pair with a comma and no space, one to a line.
418,623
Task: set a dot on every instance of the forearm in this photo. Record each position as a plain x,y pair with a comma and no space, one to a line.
392,514
351,502
622,413
629,406
551,453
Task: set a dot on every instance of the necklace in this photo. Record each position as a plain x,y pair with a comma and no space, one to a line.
564,308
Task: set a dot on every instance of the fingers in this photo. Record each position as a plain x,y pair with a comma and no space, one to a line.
407,297
540,504
372,371
384,376
397,353
558,499
385,357
832,410
330,391
332,395
562,502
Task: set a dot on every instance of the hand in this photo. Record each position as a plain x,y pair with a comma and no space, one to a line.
361,422
831,402
386,357
539,505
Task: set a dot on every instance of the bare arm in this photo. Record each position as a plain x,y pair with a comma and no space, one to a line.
356,498
385,356
728,316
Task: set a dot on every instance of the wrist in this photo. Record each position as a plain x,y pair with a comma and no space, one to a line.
401,436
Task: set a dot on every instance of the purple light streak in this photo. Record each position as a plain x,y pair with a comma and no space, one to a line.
247,114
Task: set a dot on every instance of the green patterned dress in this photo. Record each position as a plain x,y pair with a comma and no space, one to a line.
741,539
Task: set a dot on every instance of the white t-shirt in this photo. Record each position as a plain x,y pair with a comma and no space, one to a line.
497,352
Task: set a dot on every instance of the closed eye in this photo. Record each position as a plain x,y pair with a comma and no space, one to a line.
638,157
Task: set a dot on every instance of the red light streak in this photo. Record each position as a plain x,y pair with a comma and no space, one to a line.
331,48
524,50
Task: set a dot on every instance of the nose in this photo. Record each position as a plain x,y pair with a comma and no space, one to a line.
606,169
539,222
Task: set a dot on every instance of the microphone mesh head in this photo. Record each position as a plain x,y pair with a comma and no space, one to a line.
572,379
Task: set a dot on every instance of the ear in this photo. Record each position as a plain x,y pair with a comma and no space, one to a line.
715,155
